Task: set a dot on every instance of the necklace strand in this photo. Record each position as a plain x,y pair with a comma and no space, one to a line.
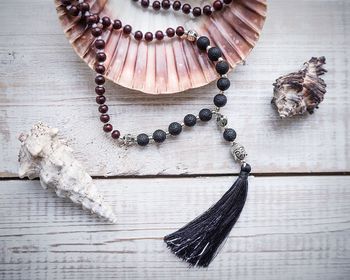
98,25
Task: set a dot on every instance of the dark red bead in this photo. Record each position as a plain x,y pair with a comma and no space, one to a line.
170,32
145,3
103,109
100,69
227,2
107,127
66,2
73,11
100,44
90,20
100,99
84,7
217,5
96,32
186,8
196,11
148,36
156,5
207,10
166,4
100,90
101,57
104,118
159,35
100,80
115,134
106,21
138,35
180,31
117,24
127,29
177,5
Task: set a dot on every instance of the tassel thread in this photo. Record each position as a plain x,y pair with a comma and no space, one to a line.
199,241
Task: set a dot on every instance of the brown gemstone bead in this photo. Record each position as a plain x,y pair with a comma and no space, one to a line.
138,35
170,32
103,109
96,32
115,134
177,5
84,7
101,57
166,4
90,20
104,118
159,35
207,10
156,5
180,31
106,21
196,11
127,29
100,90
148,36
145,3
186,8
100,44
100,80
100,99
117,24
107,127
217,5
73,11
100,69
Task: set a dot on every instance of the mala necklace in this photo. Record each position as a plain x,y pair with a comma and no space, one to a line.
197,242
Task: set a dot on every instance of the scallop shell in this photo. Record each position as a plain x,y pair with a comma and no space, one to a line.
171,65
301,91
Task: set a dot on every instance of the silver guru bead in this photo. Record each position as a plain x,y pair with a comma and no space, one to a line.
238,152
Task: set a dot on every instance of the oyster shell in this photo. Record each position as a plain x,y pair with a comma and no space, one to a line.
43,155
172,65
301,91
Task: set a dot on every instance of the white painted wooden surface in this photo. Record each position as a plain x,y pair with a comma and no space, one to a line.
292,227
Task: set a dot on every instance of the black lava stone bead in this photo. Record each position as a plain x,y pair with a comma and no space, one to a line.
246,168
230,134
220,100
202,43
142,139
222,67
159,136
205,115
190,120
214,54
175,128
223,84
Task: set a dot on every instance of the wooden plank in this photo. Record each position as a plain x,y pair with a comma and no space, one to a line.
291,228
42,79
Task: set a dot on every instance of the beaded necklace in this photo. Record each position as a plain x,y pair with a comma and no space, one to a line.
197,242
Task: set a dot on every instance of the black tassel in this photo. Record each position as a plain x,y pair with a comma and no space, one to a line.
199,241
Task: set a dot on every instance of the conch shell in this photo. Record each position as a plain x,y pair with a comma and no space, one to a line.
44,155
170,65
302,91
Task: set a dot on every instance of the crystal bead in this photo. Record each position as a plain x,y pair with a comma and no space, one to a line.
221,120
192,35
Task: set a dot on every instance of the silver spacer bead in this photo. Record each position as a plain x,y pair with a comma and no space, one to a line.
128,139
192,35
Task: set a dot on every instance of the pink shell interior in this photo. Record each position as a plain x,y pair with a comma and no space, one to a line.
171,65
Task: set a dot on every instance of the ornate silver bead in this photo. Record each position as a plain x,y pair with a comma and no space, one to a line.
128,139
221,120
192,35
238,152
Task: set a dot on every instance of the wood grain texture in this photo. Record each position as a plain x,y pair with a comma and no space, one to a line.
291,228
42,79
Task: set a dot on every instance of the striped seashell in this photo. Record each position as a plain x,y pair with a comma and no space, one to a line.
170,65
